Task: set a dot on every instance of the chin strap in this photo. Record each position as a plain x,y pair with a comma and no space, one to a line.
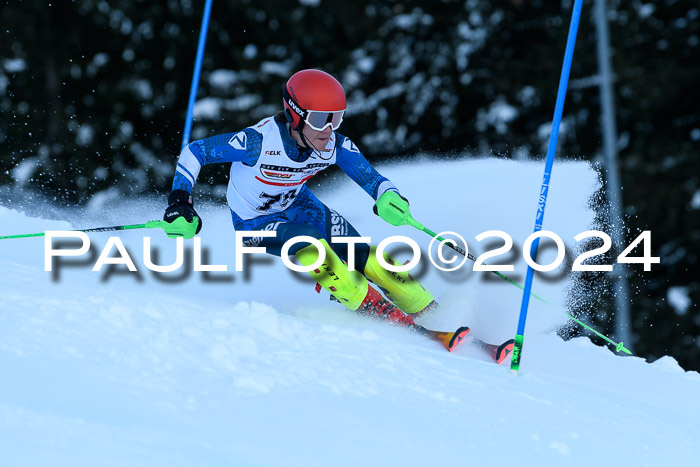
306,142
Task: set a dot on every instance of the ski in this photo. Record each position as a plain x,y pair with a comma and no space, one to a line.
495,351
451,340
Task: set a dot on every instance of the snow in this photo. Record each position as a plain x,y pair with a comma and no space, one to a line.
678,297
310,3
363,104
645,9
694,133
85,134
695,200
253,368
500,113
23,171
207,108
223,79
411,20
250,51
100,59
14,65
3,83
142,89
275,68
211,107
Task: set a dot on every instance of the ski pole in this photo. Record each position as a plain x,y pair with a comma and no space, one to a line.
544,189
195,74
178,228
147,225
471,257
409,220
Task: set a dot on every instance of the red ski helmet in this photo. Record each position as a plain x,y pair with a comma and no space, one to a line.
314,98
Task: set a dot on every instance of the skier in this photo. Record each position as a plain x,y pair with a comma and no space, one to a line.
271,162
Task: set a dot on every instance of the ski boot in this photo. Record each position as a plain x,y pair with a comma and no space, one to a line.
378,307
401,288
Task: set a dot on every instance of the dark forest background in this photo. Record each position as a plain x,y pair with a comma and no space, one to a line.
93,96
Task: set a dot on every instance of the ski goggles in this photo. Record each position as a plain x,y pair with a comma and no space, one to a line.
319,121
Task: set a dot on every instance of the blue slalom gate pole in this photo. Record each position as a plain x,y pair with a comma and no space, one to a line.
558,111
195,75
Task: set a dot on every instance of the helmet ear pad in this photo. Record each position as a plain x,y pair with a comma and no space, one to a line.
288,116
294,119
290,119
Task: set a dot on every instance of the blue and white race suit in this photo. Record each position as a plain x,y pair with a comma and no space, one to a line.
267,184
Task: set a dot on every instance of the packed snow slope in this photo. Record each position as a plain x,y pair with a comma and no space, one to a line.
253,368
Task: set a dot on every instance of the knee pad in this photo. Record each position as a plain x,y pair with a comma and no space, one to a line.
400,287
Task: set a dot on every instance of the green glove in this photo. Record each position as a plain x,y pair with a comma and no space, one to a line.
181,228
180,218
393,208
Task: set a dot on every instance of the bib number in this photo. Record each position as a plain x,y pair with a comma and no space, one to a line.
281,199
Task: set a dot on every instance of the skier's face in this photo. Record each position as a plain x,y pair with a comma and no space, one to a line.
318,139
